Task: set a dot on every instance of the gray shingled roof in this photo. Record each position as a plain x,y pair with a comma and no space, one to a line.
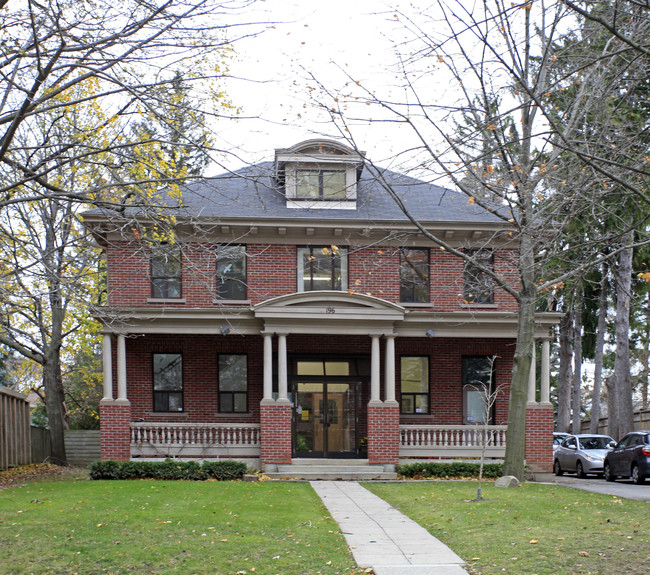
252,193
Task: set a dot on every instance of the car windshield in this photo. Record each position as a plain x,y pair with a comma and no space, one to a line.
594,442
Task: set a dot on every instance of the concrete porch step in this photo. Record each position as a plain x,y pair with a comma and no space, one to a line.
331,470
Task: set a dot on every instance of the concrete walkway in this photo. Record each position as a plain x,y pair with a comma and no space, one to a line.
381,537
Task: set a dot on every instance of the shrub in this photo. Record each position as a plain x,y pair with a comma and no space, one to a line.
438,470
168,470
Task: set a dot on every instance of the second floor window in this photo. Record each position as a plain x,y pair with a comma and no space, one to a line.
414,275
322,268
166,271
479,284
231,272
320,184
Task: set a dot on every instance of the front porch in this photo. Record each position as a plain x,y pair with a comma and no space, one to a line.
242,441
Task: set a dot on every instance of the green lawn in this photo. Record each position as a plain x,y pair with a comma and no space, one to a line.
531,530
71,525
169,527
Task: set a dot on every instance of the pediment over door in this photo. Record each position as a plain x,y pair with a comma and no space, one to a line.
329,312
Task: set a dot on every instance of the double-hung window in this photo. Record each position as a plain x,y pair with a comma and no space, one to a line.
414,382
322,268
166,277
167,382
233,383
479,284
320,184
414,275
478,375
231,272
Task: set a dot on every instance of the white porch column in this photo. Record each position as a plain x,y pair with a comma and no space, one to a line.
121,368
545,384
268,366
389,369
374,370
532,376
282,368
107,362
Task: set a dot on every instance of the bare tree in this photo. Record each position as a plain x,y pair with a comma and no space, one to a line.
77,76
529,155
117,56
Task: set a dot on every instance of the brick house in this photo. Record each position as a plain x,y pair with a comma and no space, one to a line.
298,313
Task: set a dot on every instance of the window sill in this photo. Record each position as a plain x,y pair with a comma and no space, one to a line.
180,414
234,415
232,301
414,416
415,304
166,300
475,305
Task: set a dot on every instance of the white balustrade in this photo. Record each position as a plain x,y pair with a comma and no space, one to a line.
450,441
151,439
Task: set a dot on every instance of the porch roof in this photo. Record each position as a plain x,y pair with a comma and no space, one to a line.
320,313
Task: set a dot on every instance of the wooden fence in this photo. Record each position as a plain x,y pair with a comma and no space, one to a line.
641,420
15,443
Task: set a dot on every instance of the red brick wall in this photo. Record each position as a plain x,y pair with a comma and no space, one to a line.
115,436
275,429
383,434
200,372
539,434
272,271
200,375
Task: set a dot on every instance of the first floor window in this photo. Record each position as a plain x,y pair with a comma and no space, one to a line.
167,382
478,375
322,268
479,284
233,383
166,271
414,275
231,272
414,380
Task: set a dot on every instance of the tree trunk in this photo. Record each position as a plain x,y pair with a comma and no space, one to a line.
565,373
612,408
516,444
55,408
577,361
600,351
645,360
622,384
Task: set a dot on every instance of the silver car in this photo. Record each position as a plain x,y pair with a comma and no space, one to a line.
581,454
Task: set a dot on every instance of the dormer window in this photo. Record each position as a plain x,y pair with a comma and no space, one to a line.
321,184
319,174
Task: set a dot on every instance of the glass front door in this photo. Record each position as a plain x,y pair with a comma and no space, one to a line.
325,419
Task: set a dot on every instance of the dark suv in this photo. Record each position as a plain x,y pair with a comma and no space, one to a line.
630,458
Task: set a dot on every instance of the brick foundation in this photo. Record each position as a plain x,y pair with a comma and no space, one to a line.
115,418
383,433
539,437
275,432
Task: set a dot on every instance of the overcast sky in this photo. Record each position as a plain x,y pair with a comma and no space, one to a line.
321,38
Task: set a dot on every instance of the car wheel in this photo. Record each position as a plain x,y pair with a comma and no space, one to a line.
557,469
609,476
580,472
637,477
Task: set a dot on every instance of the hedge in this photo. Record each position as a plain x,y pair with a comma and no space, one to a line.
167,469
440,470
